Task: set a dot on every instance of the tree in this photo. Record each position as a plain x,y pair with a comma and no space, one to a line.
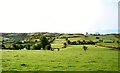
65,45
78,42
85,48
44,41
16,46
118,42
28,47
97,37
3,46
21,46
66,39
100,40
68,42
74,43
39,46
36,46
48,47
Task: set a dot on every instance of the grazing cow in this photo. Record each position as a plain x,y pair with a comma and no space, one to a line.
85,48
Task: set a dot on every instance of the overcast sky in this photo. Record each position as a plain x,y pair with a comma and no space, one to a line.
68,16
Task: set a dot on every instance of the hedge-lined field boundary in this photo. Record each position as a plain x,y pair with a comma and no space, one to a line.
107,46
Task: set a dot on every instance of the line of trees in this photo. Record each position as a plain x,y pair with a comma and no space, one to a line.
78,42
43,44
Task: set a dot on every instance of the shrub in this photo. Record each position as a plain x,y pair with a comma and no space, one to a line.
66,39
91,42
78,42
28,47
83,40
37,46
65,45
74,43
50,41
85,48
36,41
97,37
21,46
118,42
113,41
3,46
100,40
68,42
108,42
48,47
15,46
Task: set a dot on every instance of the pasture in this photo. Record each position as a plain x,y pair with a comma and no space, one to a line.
72,58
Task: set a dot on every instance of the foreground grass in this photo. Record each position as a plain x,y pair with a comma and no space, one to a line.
72,58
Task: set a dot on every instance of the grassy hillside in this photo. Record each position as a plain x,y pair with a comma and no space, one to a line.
72,58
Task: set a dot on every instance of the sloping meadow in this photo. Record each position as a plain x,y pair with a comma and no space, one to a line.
72,58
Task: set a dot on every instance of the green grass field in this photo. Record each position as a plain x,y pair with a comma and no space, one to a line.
72,58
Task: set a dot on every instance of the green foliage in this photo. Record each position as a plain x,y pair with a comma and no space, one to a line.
73,58
15,46
85,48
79,42
118,41
18,46
74,43
97,37
65,45
36,47
44,41
68,42
3,46
51,40
100,40
28,47
66,39
48,47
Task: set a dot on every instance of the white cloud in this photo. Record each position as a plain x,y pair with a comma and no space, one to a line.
56,15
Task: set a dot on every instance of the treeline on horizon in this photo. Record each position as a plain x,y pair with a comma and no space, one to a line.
43,40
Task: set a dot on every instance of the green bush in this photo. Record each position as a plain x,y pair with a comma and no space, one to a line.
68,42
66,39
48,47
97,37
28,47
65,45
3,46
44,41
36,47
